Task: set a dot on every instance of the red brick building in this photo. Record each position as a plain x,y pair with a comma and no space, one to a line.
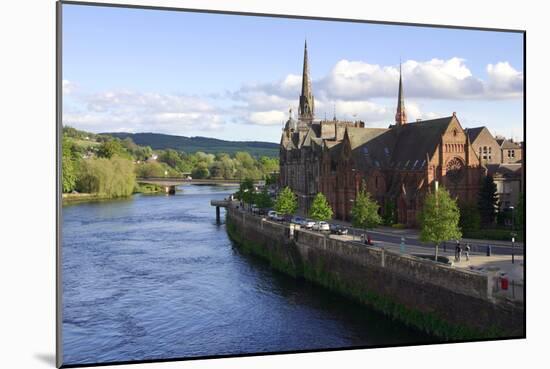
399,164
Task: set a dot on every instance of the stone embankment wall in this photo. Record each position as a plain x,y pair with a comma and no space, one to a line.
436,298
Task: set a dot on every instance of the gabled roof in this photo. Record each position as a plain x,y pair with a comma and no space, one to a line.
358,136
473,133
508,144
415,140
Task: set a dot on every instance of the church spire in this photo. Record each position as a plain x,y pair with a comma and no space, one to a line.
400,115
306,98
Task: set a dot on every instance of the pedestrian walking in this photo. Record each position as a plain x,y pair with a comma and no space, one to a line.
467,251
457,250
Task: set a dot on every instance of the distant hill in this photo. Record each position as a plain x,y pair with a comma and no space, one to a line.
190,145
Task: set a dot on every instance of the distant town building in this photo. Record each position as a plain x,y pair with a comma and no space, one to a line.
399,164
511,151
503,159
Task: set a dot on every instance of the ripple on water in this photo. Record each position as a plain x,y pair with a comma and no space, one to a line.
155,278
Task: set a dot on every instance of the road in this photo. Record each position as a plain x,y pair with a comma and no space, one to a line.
393,238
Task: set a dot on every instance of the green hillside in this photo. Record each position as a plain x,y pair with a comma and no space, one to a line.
191,145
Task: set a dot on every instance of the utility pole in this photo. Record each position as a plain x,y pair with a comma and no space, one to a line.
437,210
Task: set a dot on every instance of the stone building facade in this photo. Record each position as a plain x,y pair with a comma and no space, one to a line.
399,164
504,161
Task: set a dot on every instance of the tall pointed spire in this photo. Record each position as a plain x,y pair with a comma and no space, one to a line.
306,98
400,115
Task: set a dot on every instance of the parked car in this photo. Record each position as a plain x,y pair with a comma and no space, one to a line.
297,220
287,218
271,214
278,218
321,226
308,223
338,229
254,208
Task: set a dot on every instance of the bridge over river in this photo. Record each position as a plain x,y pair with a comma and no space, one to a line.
170,183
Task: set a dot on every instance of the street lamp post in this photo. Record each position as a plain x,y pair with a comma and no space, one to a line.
512,234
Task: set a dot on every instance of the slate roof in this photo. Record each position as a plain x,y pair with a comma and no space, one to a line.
508,144
505,170
473,133
415,140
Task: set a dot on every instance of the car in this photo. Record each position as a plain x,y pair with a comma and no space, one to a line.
321,226
308,223
271,214
338,229
297,220
278,218
287,218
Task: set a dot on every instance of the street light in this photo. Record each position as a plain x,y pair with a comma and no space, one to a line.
512,233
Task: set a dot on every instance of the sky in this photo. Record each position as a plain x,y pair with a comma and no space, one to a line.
235,77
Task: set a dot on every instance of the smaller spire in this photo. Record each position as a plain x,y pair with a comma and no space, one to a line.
400,115
334,108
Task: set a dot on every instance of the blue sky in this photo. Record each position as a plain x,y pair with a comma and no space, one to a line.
235,77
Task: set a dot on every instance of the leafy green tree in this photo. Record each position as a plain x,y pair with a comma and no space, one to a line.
200,171
286,202
364,213
68,166
470,219
390,212
520,212
263,200
172,158
439,219
268,165
151,169
271,179
320,209
108,149
246,191
488,201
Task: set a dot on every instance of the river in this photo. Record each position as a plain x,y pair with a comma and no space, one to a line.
154,277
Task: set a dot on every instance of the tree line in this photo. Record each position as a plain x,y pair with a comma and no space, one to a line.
441,218
106,165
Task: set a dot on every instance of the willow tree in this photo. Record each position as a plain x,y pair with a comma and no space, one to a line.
439,219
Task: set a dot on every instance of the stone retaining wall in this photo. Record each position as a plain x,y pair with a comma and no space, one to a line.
434,297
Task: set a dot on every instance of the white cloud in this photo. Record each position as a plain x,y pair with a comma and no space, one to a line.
435,78
504,80
68,87
271,117
131,111
355,89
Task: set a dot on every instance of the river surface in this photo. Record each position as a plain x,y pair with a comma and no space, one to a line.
154,277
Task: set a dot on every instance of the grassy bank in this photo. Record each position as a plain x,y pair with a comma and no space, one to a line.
70,198
429,323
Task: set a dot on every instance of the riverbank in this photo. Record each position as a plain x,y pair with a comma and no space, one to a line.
440,300
70,198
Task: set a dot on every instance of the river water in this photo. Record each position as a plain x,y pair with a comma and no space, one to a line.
154,277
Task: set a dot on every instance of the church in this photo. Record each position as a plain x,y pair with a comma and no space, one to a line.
399,164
